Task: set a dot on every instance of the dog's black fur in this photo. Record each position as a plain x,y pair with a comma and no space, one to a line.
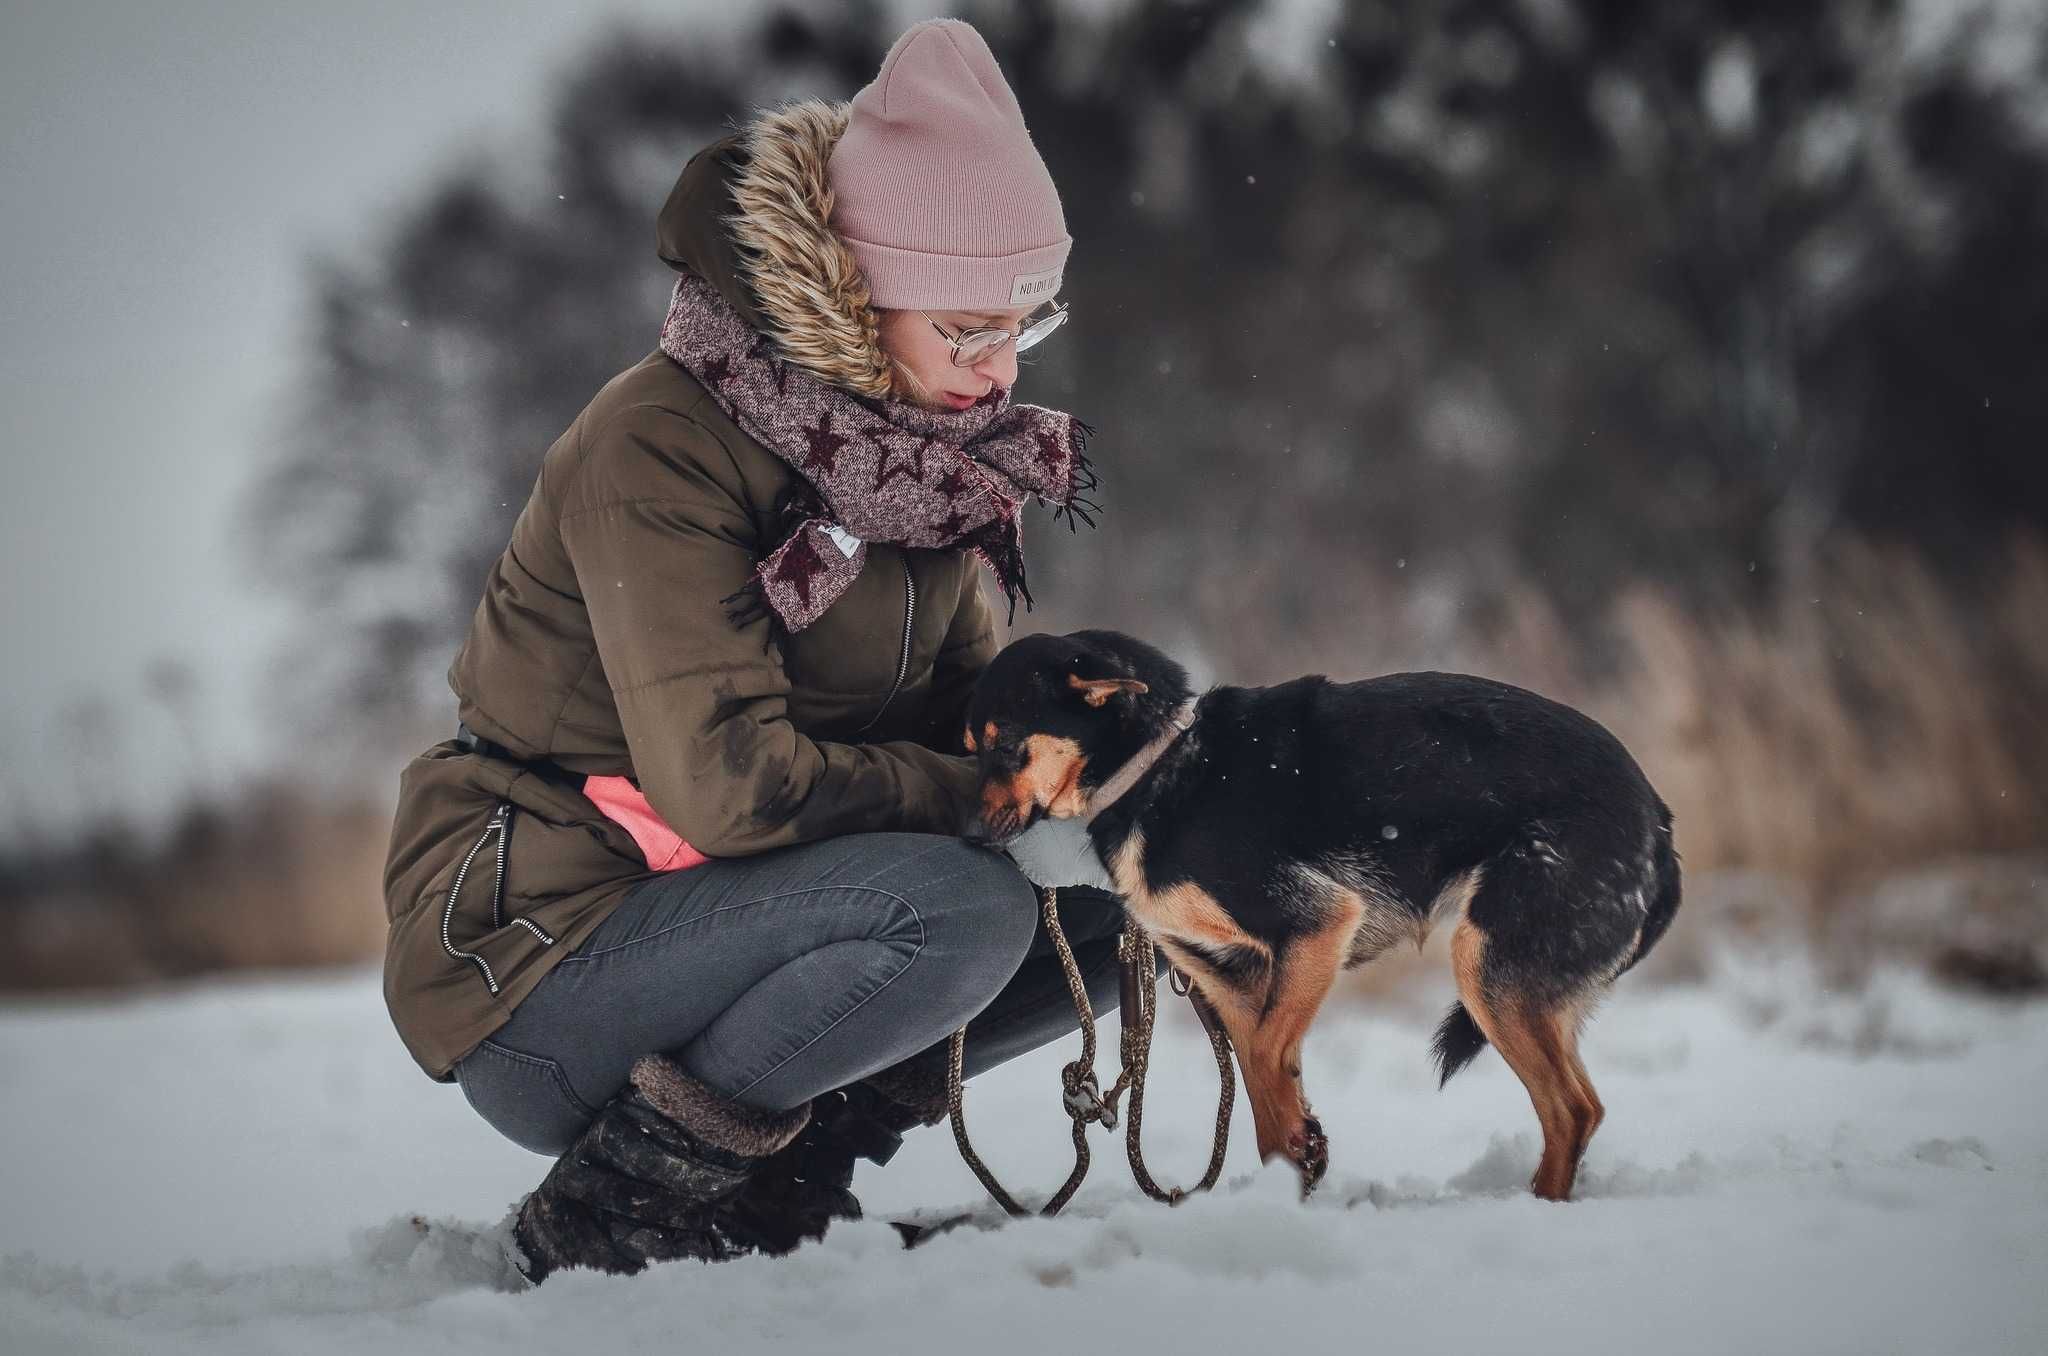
1417,794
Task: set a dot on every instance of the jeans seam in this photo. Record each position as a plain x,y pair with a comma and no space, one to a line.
892,865
833,1025
746,903
552,1068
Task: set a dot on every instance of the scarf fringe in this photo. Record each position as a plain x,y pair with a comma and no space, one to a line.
1078,508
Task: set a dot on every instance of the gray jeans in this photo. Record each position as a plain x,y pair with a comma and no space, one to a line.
777,977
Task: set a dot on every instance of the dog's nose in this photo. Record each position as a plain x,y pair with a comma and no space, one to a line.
976,829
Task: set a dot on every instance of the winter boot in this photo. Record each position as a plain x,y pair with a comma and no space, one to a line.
646,1180
799,1191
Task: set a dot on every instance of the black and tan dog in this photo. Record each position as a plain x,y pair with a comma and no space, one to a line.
1270,837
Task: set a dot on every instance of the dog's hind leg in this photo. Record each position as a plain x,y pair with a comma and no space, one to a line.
1540,1042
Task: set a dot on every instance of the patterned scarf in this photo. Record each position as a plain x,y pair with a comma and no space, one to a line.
876,470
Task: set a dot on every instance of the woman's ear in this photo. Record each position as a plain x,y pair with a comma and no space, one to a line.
1096,691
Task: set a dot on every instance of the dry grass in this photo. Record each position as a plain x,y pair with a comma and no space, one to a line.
1881,723
274,879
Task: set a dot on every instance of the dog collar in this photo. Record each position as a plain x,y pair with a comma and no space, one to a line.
1141,762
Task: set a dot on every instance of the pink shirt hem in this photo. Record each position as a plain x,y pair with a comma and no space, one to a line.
622,803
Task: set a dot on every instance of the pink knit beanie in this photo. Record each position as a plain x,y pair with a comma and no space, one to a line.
937,189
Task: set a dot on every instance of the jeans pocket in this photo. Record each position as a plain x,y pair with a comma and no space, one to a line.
523,1097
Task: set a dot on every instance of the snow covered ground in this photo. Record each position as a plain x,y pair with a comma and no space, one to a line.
231,1169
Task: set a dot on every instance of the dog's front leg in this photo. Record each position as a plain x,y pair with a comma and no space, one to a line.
1268,1030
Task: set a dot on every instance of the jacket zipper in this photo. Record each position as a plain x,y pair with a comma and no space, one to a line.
902,664
501,825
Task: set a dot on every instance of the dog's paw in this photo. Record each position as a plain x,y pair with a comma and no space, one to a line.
1309,1147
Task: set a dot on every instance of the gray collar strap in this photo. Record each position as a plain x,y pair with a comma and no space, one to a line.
1141,762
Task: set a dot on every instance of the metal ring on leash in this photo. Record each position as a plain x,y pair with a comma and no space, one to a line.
1082,1096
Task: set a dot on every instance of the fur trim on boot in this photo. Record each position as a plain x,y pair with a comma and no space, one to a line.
710,1116
646,1179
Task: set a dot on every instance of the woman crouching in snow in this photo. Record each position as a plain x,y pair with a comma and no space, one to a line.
682,902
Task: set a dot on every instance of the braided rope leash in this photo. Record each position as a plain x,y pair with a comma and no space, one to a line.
1081,1094
1141,994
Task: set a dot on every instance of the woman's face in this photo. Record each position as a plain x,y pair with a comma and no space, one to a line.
925,359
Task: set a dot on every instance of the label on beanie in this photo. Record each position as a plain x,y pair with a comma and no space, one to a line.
1034,286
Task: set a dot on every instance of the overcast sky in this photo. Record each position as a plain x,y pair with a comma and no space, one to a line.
166,170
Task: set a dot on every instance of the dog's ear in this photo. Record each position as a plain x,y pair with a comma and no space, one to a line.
1096,691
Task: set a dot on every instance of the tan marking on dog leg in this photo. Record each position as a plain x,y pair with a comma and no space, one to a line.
1233,1002
1590,1110
1183,910
1270,1053
1187,914
1259,1023
1187,911
1541,1047
1556,1034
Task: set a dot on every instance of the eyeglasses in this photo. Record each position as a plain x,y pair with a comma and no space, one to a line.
971,346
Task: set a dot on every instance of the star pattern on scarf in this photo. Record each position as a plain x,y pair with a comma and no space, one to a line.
906,462
719,371
878,434
991,461
798,566
953,484
825,444
1057,453
764,351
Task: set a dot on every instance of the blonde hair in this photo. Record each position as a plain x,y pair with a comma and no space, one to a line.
906,381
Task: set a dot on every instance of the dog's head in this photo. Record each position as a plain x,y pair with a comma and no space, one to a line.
1053,717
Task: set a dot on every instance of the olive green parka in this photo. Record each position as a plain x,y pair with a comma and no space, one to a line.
600,644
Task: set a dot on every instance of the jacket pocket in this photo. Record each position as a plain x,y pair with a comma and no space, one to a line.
498,831
525,1098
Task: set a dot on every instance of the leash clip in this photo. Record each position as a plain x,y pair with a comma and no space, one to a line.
1084,1099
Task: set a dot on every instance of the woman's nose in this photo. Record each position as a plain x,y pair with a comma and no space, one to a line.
999,367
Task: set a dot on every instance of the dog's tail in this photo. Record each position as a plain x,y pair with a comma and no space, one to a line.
1458,1042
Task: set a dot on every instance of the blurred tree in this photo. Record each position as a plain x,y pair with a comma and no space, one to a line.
172,684
1384,309
443,366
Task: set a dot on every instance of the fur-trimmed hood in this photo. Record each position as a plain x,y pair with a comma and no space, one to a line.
751,214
